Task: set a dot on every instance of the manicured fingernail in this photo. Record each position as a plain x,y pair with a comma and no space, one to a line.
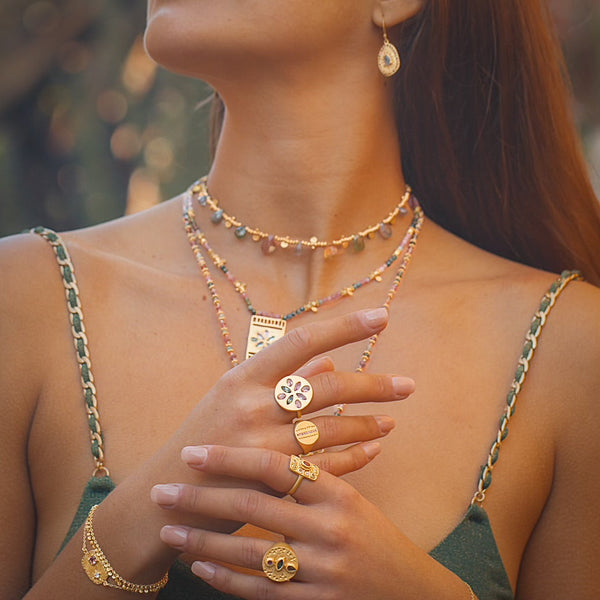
403,386
174,535
386,424
203,570
196,455
371,449
165,495
376,317
321,362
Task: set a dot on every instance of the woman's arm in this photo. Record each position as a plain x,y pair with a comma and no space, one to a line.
239,409
23,339
561,558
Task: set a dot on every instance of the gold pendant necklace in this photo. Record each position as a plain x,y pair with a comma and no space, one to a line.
269,332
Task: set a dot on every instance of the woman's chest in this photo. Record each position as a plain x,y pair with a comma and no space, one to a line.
151,366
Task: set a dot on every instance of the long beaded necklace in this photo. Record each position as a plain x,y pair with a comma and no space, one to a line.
266,327
270,242
192,231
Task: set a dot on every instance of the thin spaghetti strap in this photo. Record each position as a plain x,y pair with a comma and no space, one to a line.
531,340
81,345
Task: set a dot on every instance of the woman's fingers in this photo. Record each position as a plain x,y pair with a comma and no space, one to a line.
337,431
236,505
297,347
338,387
273,468
321,364
237,550
251,587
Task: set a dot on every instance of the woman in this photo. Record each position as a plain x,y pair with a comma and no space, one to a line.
308,148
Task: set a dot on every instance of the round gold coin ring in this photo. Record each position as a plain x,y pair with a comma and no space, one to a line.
280,563
293,393
306,434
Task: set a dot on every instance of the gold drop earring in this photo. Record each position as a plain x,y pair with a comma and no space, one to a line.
388,59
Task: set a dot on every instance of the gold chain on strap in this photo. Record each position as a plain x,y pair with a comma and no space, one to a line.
98,569
531,340
81,345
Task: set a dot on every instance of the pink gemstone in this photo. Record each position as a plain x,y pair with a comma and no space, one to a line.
268,245
93,560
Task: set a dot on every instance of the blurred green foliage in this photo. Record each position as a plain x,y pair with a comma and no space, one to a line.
90,127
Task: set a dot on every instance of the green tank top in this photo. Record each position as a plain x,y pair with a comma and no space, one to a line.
469,550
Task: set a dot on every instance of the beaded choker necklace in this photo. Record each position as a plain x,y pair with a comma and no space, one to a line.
195,235
270,242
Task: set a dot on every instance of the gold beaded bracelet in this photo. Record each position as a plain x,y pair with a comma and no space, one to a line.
98,569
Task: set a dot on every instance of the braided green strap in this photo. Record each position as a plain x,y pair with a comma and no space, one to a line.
81,344
531,340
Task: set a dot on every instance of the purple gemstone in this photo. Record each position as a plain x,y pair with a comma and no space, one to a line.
301,396
306,388
297,386
385,231
281,396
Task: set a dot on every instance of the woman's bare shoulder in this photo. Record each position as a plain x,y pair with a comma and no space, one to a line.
566,533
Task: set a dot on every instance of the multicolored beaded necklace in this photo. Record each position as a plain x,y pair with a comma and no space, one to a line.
270,242
194,236
266,327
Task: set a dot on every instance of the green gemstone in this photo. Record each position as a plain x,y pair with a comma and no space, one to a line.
358,243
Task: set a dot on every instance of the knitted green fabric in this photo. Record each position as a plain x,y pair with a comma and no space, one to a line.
471,552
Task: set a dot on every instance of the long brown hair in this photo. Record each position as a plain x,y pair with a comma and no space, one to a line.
488,140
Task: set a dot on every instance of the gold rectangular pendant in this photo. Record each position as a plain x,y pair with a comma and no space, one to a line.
263,332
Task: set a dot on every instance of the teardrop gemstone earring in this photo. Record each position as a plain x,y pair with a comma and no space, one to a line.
388,59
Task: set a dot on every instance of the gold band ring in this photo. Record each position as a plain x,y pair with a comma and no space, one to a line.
280,563
304,469
293,393
306,434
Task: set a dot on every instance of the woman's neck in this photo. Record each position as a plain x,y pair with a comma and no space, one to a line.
316,161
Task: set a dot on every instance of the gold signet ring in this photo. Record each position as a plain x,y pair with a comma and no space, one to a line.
293,393
306,434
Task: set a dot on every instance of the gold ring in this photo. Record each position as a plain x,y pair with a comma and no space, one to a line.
293,393
280,563
306,434
304,469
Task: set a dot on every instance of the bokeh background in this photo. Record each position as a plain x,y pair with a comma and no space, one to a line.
91,128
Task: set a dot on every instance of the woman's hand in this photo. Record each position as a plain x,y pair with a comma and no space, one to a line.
346,547
240,409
